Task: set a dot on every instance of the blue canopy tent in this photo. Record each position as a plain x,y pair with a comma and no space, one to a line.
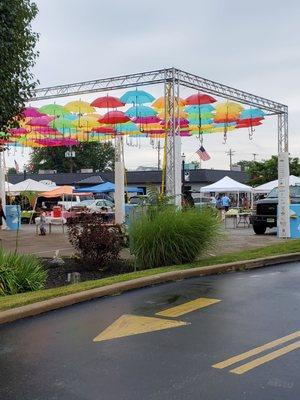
107,187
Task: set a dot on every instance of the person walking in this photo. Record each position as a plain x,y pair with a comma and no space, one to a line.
225,202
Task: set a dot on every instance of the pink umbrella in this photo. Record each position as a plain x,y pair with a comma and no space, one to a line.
18,131
47,130
57,142
147,120
30,112
40,121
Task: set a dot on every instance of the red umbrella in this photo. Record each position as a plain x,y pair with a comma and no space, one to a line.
114,117
200,98
107,102
242,124
104,129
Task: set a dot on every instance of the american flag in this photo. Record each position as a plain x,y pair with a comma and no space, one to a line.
203,154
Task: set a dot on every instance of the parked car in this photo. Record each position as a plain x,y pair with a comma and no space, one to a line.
264,214
204,201
73,200
139,200
98,205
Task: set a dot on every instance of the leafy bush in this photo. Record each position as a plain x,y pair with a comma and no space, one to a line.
20,273
166,236
98,244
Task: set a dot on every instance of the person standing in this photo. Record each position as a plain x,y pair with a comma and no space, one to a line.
225,202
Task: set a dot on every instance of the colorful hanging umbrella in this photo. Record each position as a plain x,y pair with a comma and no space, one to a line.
146,120
40,121
202,108
228,107
136,97
252,113
104,129
129,127
160,103
54,109
30,112
200,98
182,114
18,131
86,122
114,117
62,123
107,102
140,111
79,107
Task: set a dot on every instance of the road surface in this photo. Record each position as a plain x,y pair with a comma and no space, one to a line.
234,336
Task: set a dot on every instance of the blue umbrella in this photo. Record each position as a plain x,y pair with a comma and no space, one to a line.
202,108
252,113
140,111
137,97
128,127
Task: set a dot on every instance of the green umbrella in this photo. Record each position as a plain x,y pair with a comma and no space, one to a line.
62,123
54,109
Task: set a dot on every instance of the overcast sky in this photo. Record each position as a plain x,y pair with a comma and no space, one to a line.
254,46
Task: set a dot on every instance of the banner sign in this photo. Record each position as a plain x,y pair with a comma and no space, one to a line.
283,211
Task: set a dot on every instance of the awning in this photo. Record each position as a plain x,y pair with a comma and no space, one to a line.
107,187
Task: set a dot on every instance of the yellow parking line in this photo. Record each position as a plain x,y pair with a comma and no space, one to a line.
264,359
257,350
187,307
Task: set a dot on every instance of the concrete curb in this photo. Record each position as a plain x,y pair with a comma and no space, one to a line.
63,301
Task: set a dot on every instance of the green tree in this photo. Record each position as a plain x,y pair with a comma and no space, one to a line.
98,156
17,43
267,170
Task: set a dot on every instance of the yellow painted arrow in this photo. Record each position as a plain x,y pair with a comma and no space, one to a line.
128,325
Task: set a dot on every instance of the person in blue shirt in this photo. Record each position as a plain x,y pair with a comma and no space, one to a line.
225,202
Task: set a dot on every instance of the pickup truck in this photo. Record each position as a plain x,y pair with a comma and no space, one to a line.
264,213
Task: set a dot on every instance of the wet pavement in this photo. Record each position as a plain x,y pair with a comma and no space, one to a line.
53,356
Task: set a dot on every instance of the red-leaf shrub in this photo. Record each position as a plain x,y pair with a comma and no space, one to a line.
98,244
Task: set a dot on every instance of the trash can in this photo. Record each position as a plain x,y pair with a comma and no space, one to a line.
295,220
13,217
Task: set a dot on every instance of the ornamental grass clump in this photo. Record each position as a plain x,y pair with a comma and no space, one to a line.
166,236
20,273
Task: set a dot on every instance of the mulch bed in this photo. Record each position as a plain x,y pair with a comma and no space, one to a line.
57,275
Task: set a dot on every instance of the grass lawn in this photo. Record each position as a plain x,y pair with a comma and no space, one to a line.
21,299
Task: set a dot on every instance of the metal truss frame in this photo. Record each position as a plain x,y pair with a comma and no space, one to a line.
172,79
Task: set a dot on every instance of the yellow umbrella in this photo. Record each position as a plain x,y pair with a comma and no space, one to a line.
160,103
229,107
79,107
86,122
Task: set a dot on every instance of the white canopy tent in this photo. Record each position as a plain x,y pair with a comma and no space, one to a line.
267,187
30,185
9,187
227,185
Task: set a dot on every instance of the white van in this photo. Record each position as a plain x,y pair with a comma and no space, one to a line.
72,200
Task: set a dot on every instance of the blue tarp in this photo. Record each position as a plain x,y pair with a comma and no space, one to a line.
106,188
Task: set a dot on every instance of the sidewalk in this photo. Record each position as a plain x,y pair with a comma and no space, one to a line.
45,246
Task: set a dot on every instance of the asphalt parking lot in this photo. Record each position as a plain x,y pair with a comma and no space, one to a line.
232,336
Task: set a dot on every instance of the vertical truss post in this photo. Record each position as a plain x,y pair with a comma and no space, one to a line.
283,212
173,148
2,187
119,181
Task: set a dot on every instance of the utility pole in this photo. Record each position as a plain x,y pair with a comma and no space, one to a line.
230,153
254,156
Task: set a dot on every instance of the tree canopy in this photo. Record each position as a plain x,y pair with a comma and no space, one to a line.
267,170
18,55
98,156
